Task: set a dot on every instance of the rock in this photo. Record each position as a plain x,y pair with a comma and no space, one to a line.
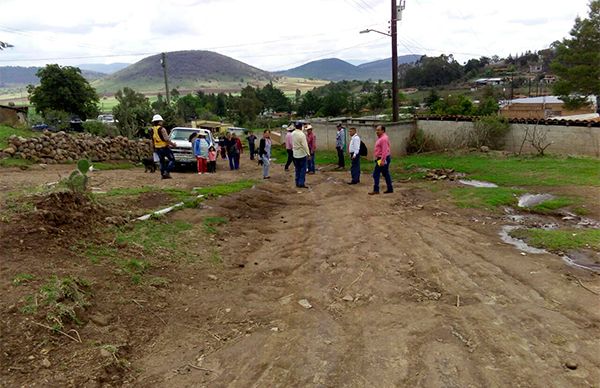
570,364
304,303
105,353
348,298
10,151
46,363
100,319
275,329
485,149
212,277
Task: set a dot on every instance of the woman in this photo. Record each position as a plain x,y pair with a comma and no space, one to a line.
264,152
201,146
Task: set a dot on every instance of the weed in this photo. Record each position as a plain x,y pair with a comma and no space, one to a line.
22,278
215,257
62,298
560,240
134,268
97,253
152,234
490,198
158,281
31,305
209,223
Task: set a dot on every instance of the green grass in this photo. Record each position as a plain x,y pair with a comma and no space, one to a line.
103,166
551,206
487,198
6,132
560,240
15,162
152,235
22,278
177,194
510,171
225,189
135,268
209,224
97,253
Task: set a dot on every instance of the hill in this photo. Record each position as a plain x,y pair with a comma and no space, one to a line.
334,69
103,68
18,76
187,70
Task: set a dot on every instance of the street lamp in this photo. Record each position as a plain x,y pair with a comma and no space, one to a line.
371,30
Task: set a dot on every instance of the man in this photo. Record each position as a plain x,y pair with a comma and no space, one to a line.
300,152
340,145
251,140
311,139
289,146
354,151
264,152
231,147
382,161
162,144
239,149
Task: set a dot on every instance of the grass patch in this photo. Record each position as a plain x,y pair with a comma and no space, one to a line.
15,162
22,278
135,268
209,223
551,206
104,166
152,235
225,189
487,198
6,132
560,240
177,194
511,171
215,257
97,253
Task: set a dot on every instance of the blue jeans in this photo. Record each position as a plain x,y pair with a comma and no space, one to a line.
167,160
234,161
355,169
385,170
266,164
300,165
311,163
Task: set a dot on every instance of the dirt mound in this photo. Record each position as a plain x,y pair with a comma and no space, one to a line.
68,210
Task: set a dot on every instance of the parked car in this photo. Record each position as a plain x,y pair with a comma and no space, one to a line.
107,119
76,124
43,127
239,132
184,155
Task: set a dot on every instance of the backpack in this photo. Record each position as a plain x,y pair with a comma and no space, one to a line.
363,149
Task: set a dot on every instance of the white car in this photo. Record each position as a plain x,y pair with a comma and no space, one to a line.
183,152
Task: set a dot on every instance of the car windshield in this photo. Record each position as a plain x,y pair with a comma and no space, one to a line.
184,134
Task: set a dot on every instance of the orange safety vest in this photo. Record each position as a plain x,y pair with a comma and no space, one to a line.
157,137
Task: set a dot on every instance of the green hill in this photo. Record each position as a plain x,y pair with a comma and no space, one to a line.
187,70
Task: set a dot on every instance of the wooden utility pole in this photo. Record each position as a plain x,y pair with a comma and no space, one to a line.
163,62
394,33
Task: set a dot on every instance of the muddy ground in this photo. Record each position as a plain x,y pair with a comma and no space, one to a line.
404,290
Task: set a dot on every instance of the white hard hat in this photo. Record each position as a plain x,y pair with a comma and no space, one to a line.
157,118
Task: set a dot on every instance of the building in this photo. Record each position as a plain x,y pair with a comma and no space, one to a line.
542,108
13,115
488,81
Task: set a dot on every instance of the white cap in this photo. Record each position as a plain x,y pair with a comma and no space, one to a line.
157,118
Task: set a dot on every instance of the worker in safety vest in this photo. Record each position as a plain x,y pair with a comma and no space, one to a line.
161,143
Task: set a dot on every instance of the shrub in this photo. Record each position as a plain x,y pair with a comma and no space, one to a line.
99,129
489,131
420,142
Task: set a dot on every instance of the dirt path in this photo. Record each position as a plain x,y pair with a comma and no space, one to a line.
405,291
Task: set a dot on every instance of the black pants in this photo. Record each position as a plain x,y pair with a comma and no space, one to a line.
341,162
355,169
212,166
290,159
252,151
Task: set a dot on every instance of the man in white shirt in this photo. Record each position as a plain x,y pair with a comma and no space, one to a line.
354,151
300,152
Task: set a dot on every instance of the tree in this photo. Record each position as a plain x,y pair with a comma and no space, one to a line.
309,105
133,112
577,61
64,89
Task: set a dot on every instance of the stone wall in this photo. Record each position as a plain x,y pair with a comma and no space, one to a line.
62,147
566,140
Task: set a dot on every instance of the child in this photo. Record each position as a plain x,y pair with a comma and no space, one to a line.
212,160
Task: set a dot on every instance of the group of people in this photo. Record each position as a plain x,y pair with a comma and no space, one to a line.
301,145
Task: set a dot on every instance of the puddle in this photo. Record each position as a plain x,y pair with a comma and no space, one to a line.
581,260
517,243
478,183
531,200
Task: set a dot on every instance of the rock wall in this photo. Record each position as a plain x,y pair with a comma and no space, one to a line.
62,147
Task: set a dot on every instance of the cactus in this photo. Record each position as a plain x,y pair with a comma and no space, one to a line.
78,180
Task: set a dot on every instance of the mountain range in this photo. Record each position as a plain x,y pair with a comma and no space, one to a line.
207,70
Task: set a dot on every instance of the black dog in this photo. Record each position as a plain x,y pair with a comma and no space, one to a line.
149,165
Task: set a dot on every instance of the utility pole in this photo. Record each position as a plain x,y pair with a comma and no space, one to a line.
163,62
394,31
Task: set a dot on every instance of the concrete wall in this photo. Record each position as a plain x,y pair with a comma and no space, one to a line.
398,134
565,140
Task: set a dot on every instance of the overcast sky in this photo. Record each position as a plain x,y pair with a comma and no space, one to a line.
275,34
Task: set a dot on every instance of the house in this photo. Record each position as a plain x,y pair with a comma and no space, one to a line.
13,115
488,81
535,68
542,108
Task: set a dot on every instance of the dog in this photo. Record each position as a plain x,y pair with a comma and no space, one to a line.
149,165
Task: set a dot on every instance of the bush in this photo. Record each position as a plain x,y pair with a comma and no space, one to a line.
99,129
58,119
420,142
489,131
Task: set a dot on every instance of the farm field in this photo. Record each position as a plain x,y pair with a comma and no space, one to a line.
259,284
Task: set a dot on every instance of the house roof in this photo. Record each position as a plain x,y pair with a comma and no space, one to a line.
544,100
17,108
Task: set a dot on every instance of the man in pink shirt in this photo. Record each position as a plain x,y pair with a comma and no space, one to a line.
382,161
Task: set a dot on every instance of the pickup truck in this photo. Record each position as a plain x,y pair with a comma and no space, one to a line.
183,151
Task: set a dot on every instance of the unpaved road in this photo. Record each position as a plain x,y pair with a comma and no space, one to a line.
406,290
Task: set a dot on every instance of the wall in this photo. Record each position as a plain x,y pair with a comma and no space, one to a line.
398,135
565,139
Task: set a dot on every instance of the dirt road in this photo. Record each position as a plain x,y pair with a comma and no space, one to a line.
406,290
